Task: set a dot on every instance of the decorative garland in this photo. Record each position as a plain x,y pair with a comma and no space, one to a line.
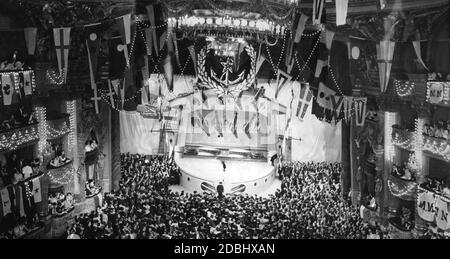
206,81
62,175
405,89
402,189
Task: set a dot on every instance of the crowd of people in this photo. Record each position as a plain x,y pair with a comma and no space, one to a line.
309,204
439,129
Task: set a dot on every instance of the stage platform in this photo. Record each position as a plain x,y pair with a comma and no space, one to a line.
241,176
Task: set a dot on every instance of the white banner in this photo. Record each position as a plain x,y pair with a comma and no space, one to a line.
442,211
360,110
425,206
435,92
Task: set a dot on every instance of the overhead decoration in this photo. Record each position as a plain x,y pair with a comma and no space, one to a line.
124,25
222,84
385,53
418,51
8,87
360,104
30,39
151,32
118,55
433,207
347,108
404,87
300,27
438,92
61,37
324,96
317,11
304,101
341,12
283,79
193,57
12,140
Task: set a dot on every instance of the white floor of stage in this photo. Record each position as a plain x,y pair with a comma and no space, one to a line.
236,171
265,194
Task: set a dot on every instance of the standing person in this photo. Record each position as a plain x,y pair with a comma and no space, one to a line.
220,190
223,165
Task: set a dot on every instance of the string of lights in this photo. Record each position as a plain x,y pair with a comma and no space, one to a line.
404,88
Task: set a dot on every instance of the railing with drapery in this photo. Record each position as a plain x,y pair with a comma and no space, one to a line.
433,207
403,138
58,127
437,147
18,137
401,188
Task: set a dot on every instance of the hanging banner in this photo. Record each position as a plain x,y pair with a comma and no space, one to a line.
168,72
360,110
283,79
317,11
124,25
92,35
193,57
37,195
30,39
6,203
341,12
111,94
259,63
300,27
435,92
118,56
149,40
348,107
385,53
337,102
425,205
151,17
324,96
28,82
7,88
304,101
416,45
319,67
61,37
442,213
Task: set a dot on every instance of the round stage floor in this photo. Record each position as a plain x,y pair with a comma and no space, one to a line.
204,174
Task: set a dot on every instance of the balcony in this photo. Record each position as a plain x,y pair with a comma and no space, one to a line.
16,138
403,138
401,188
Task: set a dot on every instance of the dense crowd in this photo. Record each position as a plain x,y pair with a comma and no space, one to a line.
308,205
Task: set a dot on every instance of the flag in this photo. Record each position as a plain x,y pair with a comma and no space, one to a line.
7,88
30,39
319,66
317,11
336,102
193,57
151,17
416,45
324,96
259,63
149,40
304,101
61,37
118,55
360,110
37,190
341,12
283,79
124,25
6,203
145,81
385,53
92,35
19,200
300,27
28,82
348,107
168,71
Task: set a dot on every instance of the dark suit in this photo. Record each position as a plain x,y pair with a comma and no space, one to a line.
220,190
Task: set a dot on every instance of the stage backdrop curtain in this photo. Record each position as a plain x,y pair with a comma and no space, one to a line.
138,134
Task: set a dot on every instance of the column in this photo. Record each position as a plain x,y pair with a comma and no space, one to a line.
422,162
390,118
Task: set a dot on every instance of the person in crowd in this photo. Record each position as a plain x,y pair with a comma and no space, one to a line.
220,190
307,205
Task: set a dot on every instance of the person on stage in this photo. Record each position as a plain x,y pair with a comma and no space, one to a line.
223,165
220,190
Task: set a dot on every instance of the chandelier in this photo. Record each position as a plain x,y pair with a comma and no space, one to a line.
256,19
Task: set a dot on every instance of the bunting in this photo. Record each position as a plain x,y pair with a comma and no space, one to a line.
317,11
300,28
283,79
348,106
324,96
7,88
385,53
418,51
341,12
360,110
304,101
336,102
168,72
118,55
30,39
124,25
191,49
61,37
151,17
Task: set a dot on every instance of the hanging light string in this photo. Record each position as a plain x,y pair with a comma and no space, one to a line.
405,89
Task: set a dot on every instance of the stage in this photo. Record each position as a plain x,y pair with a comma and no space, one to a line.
241,176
